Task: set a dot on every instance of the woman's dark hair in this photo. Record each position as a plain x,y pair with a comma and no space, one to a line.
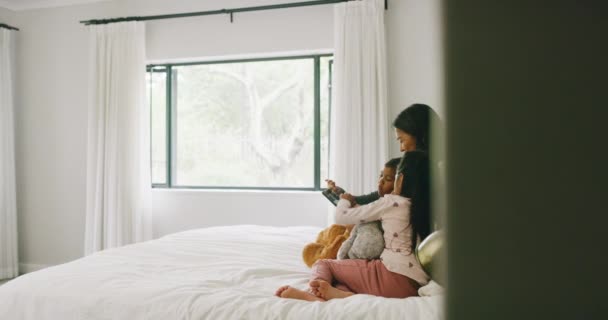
416,121
416,186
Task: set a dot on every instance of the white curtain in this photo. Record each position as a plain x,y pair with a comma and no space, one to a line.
9,263
359,139
118,155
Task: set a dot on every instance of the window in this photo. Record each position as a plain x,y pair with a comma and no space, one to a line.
247,124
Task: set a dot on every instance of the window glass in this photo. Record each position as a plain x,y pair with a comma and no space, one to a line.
240,124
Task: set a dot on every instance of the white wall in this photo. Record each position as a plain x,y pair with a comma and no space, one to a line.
51,134
414,40
7,16
51,118
52,108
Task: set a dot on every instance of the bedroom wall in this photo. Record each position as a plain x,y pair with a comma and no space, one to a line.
52,116
415,58
51,133
52,109
7,16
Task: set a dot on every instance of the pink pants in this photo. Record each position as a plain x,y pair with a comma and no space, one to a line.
363,276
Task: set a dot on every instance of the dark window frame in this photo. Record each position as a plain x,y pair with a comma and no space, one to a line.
167,69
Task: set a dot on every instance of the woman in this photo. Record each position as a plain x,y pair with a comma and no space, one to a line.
404,215
413,128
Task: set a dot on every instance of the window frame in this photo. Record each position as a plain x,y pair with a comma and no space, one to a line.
171,127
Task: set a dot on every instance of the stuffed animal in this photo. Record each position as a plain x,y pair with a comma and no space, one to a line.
327,245
365,242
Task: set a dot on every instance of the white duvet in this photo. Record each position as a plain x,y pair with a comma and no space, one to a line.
214,273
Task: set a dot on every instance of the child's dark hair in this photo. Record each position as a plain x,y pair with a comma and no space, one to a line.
416,186
393,163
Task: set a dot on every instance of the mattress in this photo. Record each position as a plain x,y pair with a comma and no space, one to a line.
212,273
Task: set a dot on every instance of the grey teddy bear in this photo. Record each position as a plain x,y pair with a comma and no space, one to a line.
366,241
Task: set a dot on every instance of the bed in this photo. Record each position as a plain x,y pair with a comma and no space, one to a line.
213,273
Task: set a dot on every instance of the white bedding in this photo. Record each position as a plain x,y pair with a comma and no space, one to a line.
214,273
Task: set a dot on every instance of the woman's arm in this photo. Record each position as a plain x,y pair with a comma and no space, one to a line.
367,198
360,214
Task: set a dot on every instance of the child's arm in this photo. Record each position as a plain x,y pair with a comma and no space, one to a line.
333,187
361,214
367,198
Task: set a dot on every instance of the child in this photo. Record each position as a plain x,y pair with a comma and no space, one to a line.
385,185
405,219
366,240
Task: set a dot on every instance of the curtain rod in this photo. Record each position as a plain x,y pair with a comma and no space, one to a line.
6,26
221,11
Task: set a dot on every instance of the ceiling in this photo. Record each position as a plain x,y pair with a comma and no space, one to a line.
18,5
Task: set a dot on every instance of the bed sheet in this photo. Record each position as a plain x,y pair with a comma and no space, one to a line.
212,273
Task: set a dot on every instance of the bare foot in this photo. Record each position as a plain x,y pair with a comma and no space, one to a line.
314,291
293,293
326,291
280,290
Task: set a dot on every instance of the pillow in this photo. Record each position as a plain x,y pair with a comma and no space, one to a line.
431,289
